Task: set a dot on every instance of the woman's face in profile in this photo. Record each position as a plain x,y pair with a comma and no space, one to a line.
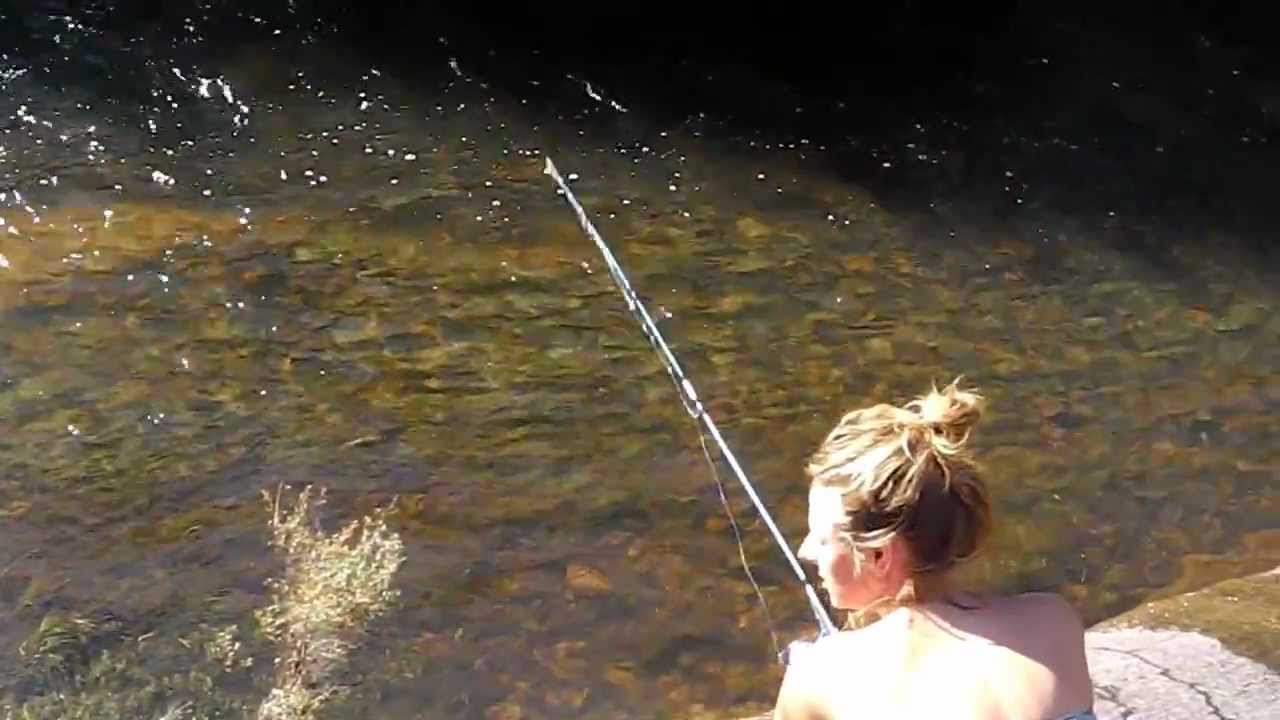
832,555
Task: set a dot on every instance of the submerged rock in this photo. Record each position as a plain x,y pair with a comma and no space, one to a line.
751,228
586,580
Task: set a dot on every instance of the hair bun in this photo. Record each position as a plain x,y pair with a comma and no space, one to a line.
950,413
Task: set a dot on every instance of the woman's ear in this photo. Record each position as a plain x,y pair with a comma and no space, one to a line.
882,558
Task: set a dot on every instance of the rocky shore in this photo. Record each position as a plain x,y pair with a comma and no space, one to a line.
1211,653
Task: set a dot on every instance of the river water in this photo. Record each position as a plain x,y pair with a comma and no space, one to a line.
222,270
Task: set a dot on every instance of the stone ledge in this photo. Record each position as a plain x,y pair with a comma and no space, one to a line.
1142,673
1212,653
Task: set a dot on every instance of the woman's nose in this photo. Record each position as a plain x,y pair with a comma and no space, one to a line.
806,549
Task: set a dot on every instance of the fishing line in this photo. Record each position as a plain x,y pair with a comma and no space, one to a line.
737,536
692,405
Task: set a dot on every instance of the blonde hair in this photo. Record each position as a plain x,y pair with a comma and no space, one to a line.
905,472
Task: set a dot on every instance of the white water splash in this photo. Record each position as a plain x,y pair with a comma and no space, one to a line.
597,95
8,75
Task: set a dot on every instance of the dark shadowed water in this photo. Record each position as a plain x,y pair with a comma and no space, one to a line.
221,270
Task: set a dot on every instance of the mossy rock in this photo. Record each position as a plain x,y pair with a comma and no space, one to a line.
1242,613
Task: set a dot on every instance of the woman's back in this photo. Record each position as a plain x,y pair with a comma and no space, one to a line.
896,503
1020,657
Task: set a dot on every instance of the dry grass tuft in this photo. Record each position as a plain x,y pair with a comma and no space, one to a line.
318,610
332,587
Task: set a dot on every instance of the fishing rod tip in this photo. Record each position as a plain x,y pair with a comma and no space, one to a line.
550,168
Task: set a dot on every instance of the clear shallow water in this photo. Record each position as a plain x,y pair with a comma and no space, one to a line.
227,270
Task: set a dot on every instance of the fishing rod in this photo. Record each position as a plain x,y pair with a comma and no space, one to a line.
689,397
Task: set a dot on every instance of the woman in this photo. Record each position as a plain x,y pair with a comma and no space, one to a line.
895,504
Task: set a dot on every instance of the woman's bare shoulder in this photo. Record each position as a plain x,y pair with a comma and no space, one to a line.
859,651
1051,607
818,673
833,656
1056,624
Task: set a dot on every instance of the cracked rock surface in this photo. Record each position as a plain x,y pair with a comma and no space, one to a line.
1166,660
1142,673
